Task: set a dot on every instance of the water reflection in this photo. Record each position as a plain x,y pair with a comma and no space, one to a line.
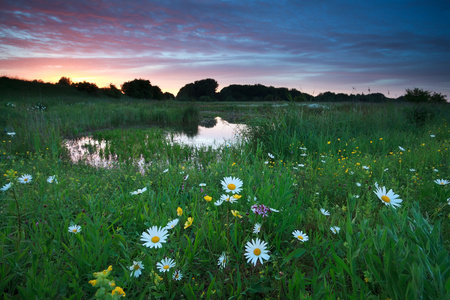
213,133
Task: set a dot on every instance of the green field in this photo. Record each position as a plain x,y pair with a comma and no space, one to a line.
296,160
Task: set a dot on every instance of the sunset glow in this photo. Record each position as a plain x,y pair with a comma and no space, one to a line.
340,46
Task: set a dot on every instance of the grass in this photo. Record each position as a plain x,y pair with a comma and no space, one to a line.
380,252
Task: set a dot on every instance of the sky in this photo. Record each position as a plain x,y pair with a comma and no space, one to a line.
377,46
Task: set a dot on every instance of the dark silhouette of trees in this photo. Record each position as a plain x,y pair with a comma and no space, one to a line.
112,91
198,89
423,96
142,89
85,86
65,81
259,92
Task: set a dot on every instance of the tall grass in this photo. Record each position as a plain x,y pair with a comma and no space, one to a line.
380,252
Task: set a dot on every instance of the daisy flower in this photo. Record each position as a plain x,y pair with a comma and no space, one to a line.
442,181
301,165
11,133
52,179
165,171
300,236
223,259
218,202
188,222
165,264
385,169
432,135
139,191
177,275
271,155
232,185
6,187
324,212
365,167
256,250
202,184
136,268
171,224
388,198
402,149
335,229
26,178
186,177
75,229
358,184
154,237
227,198
412,170
257,228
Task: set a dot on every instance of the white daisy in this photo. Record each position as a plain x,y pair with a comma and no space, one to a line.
52,179
266,162
218,202
432,135
11,133
154,237
412,170
165,264
202,184
301,165
402,149
186,177
302,237
442,181
227,198
388,198
231,185
257,228
324,212
136,268
303,154
256,250
302,148
385,169
139,191
177,275
366,167
271,155
6,187
75,229
165,171
171,224
335,229
435,170
223,259
26,178
358,184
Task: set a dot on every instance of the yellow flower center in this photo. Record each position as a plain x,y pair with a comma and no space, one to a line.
176,276
231,186
136,267
257,251
300,237
166,267
385,199
74,230
155,239
25,179
224,260
442,183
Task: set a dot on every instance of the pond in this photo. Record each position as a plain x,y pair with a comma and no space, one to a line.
212,133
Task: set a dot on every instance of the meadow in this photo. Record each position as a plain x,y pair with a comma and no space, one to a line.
299,208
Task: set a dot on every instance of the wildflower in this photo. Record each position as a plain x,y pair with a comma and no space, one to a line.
300,236
432,135
52,179
231,184
261,209
171,224
202,184
435,170
271,155
165,264
177,275
236,214
6,187
207,198
365,167
388,198
385,169
257,228
335,229
188,222
93,282
324,212
218,202
227,198
303,154
139,191
136,268
75,228
412,170
26,178
256,250
237,197
166,170
154,237
323,161
119,291
179,211
448,201
266,162
402,149
222,260
358,184
11,133
186,177
442,181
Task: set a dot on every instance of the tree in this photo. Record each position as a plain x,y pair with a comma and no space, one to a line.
141,89
65,81
85,86
112,91
204,87
419,95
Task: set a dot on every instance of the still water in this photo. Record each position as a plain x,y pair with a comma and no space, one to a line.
215,133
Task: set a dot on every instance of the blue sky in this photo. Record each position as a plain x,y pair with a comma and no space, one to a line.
313,46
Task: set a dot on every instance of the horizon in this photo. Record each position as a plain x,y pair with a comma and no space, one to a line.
347,47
